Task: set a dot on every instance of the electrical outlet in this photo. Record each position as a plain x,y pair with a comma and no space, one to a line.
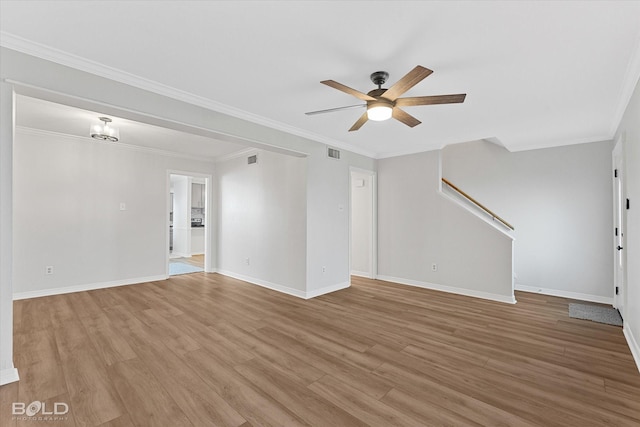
48,269
247,261
324,269
434,267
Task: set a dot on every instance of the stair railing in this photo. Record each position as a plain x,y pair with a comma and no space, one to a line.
478,204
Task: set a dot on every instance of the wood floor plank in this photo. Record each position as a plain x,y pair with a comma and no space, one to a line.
291,365
8,395
548,395
340,336
122,421
84,305
155,299
61,309
360,405
341,319
133,381
444,354
166,330
597,396
107,340
255,406
39,366
306,404
330,346
197,401
430,414
104,298
205,349
31,315
359,378
93,396
66,419
210,339
454,398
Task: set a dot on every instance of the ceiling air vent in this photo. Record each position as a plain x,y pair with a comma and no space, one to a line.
252,159
333,153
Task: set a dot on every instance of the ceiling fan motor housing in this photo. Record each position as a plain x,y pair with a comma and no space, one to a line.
379,77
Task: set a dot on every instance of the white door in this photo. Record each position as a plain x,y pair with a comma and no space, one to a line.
619,211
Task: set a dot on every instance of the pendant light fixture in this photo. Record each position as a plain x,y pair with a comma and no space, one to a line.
103,131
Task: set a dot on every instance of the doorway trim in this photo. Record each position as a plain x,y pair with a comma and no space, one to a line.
619,223
209,220
373,247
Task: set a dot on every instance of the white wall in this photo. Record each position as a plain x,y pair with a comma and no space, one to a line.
328,182
263,220
418,227
67,195
560,202
361,223
629,131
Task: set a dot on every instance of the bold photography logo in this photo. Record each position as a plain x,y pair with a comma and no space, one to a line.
38,409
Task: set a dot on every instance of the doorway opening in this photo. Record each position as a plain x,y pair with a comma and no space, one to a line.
362,224
189,225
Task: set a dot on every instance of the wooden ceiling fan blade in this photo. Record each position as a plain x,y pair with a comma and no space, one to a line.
411,79
358,124
331,110
347,89
405,118
431,100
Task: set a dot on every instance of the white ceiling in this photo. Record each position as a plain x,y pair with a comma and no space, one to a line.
536,74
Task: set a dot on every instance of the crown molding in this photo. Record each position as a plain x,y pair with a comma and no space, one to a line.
48,53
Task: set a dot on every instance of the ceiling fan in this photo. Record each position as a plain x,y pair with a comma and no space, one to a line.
382,104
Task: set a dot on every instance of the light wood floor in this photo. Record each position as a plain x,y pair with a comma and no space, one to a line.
205,350
195,260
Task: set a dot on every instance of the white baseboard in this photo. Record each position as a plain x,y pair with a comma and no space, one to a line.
9,376
265,284
565,294
633,344
285,289
326,290
361,274
460,291
87,287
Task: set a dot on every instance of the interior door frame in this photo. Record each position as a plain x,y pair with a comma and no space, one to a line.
373,248
619,220
209,217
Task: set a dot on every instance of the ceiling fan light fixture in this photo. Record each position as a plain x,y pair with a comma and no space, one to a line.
383,104
103,131
378,111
